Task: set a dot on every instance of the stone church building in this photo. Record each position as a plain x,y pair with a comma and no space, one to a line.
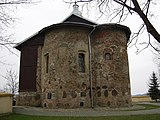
75,63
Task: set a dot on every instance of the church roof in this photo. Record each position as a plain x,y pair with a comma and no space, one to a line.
42,31
76,16
78,19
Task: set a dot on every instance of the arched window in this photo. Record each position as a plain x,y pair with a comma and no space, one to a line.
45,105
64,94
81,61
46,62
99,94
106,93
49,95
83,94
81,104
114,93
108,56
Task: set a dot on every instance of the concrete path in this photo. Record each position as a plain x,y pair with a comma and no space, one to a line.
135,110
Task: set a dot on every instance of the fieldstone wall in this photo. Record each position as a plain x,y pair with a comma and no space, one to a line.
62,83
111,70
29,99
63,86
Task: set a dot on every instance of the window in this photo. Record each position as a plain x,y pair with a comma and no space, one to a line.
114,93
46,62
104,87
81,60
99,94
81,104
64,94
106,93
108,56
45,105
49,95
73,94
83,94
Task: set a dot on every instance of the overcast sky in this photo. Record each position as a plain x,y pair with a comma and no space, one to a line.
35,17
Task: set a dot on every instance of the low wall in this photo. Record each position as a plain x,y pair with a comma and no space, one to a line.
5,103
141,99
28,99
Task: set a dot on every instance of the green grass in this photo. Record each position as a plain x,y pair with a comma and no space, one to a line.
149,106
146,107
29,117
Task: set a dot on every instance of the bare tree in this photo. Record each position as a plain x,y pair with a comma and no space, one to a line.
12,82
7,19
120,9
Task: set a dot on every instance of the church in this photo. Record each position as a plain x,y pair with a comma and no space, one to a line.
76,63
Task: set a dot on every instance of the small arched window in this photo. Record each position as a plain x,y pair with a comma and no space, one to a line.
81,61
108,56
106,93
114,93
64,94
99,94
83,94
45,105
46,62
49,95
81,104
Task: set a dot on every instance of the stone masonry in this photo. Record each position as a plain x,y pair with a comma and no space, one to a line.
63,86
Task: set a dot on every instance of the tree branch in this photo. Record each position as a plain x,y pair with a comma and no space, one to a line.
124,4
148,24
76,1
135,35
16,2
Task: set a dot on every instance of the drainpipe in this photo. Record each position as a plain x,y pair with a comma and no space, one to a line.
90,66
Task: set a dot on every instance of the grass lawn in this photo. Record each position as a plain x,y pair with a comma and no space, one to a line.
146,107
149,106
28,117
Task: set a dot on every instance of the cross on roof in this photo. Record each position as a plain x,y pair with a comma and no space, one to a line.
77,1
